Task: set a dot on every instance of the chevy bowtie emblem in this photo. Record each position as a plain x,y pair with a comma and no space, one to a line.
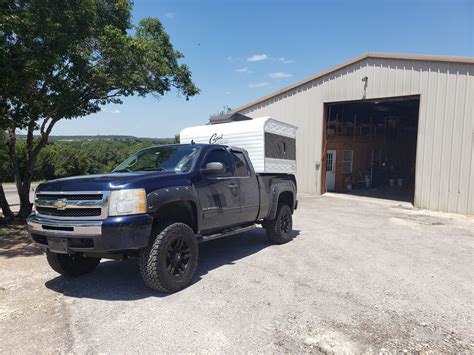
61,204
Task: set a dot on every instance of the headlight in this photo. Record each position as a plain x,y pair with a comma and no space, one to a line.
34,201
123,202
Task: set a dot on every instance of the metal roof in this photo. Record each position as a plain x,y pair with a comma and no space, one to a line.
376,55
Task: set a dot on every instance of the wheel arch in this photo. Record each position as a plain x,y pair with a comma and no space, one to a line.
282,192
174,204
288,198
176,211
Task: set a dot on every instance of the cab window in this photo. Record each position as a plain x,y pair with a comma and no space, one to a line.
221,156
241,167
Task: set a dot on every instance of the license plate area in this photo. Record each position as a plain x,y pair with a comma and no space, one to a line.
58,245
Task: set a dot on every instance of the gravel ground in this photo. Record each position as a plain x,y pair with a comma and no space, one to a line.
360,276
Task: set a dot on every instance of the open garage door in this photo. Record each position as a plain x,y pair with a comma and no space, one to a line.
370,147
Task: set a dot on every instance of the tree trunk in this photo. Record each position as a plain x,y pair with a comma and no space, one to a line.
7,212
25,204
23,180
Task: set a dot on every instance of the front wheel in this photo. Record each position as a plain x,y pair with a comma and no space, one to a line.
279,230
71,265
169,263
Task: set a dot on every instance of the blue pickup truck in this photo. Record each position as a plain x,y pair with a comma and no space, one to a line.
158,205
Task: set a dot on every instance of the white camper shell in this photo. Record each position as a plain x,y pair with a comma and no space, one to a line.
271,144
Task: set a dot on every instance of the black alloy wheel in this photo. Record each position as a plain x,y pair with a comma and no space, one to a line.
169,262
280,229
177,257
285,222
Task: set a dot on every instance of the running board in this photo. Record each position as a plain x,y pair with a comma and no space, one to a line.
206,238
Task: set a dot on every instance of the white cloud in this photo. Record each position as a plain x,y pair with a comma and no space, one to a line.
234,59
258,85
170,15
110,110
279,75
257,57
284,60
242,70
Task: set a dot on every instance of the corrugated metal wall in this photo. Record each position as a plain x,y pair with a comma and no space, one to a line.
445,158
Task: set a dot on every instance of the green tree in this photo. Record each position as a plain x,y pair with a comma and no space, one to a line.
65,59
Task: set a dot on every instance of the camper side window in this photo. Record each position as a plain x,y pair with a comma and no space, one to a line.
221,156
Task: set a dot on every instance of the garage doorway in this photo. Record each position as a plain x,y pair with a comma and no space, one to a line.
370,147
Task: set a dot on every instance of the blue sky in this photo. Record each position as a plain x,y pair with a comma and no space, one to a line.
239,51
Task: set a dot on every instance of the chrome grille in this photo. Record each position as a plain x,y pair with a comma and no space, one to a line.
71,212
88,197
72,205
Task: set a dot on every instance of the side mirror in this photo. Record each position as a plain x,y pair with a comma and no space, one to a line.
213,169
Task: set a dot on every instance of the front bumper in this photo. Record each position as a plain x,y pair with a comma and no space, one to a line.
113,234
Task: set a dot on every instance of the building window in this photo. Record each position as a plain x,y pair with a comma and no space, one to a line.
347,161
329,161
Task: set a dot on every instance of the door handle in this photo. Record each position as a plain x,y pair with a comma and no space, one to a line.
233,186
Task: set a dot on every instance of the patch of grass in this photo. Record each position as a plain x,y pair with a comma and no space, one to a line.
13,228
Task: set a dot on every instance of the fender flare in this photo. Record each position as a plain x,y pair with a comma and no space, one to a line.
276,190
160,197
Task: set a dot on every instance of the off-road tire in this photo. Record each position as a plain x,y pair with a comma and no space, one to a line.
279,230
71,265
155,260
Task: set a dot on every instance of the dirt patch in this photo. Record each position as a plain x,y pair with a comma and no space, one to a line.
33,318
377,281
296,335
388,334
14,241
324,342
395,333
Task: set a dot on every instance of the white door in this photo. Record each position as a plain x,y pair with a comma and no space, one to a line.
330,170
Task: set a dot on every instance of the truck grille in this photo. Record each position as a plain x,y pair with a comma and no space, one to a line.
72,212
87,197
71,205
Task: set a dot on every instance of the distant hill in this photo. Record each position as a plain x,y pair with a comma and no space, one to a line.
83,155
106,138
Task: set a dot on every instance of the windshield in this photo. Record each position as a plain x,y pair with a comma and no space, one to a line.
172,158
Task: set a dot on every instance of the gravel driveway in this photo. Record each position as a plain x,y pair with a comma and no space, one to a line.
360,276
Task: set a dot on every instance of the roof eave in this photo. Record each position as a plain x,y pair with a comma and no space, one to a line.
375,55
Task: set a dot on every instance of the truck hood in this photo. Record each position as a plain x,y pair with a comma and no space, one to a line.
104,182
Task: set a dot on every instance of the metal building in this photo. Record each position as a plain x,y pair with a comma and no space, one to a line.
369,101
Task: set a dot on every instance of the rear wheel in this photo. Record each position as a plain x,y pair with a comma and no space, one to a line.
71,265
279,230
169,263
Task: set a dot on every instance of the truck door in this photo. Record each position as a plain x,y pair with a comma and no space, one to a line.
219,195
249,190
